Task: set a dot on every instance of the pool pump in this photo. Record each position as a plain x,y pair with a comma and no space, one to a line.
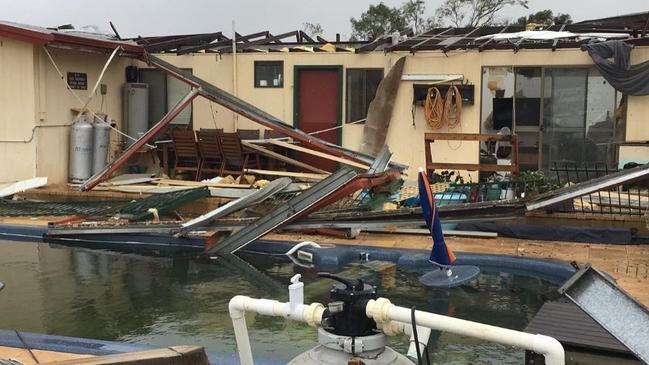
347,335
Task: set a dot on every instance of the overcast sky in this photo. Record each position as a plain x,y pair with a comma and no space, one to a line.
163,17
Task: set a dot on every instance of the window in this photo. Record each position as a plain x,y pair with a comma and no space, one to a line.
362,84
563,115
269,74
165,92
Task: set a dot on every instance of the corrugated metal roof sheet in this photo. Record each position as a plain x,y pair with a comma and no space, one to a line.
572,327
67,39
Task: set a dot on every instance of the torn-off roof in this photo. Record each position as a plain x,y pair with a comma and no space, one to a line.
264,41
81,41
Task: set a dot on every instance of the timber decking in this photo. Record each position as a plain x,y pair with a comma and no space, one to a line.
41,356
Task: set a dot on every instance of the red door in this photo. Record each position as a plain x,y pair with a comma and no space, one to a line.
318,108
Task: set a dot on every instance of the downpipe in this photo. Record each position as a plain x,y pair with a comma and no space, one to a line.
384,312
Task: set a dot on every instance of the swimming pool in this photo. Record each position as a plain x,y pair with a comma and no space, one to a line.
170,301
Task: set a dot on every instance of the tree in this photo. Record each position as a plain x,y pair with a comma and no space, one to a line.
312,29
473,13
376,21
412,12
562,18
546,18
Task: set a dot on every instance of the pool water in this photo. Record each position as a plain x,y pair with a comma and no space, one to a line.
173,301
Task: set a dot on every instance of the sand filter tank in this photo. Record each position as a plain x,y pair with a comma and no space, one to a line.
81,151
347,335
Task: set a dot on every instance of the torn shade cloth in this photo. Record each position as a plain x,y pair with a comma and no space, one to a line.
613,60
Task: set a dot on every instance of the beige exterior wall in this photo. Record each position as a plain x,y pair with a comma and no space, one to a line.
404,138
17,110
55,103
32,94
35,107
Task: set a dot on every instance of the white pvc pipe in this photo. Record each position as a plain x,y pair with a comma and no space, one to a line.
394,328
382,311
239,305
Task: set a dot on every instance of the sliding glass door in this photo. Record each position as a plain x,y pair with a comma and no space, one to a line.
561,115
578,109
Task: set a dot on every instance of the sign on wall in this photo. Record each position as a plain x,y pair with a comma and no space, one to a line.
78,80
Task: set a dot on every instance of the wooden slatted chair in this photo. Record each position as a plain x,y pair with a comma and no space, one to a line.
235,159
209,144
186,151
246,134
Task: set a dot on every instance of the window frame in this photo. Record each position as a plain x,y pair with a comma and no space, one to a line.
347,88
541,128
268,63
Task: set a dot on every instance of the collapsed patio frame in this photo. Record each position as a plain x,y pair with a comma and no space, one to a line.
214,94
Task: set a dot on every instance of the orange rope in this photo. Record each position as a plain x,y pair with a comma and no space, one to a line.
453,113
434,108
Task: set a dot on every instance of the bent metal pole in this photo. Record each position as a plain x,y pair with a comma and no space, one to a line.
146,137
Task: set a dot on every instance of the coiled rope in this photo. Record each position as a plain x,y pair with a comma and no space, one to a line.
440,110
434,108
453,107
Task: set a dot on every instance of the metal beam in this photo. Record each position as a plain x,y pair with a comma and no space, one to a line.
375,43
178,42
382,160
621,315
556,41
423,43
222,43
587,187
269,39
137,145
257,197
483,45
285,213
306,37
448,46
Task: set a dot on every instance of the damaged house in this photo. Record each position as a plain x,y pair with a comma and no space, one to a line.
539,85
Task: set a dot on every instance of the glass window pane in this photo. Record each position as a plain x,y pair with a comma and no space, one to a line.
527,115
564,116
528,97
269,74
600,120
361,87
497,99
372,80
497,106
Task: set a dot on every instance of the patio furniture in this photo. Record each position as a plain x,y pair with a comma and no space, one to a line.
186,151
235,159
209,145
